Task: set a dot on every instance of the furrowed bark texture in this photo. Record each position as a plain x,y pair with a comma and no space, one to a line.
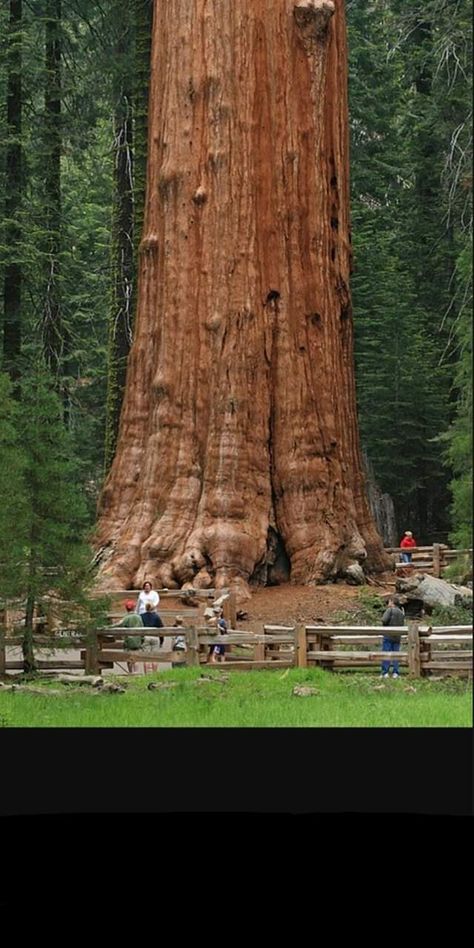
239,416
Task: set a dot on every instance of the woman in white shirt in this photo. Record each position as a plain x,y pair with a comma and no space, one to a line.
147,595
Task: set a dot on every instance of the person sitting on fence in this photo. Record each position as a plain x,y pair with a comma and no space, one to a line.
179,643
131,621
392,616
151,620
407,543
147,595
217,652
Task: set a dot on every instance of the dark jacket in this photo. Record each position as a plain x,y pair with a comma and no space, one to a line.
393,616
151,620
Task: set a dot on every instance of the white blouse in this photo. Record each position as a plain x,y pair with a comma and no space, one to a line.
143,598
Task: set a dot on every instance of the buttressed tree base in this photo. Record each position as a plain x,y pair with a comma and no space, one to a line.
238,439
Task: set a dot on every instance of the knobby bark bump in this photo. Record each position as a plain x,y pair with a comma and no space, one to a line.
239,417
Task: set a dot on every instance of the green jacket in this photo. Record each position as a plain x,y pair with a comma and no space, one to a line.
131,621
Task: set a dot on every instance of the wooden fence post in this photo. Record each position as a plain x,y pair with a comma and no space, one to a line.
3,661
232,610
6,618
192,643
92,654
300,647
414,660
436,560
259,650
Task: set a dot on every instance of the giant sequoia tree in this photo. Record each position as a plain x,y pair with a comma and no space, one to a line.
238,430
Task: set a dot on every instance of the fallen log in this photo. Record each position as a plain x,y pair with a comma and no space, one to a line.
25,689
434,592
95,680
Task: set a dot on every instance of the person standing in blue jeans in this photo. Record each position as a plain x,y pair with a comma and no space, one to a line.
393,616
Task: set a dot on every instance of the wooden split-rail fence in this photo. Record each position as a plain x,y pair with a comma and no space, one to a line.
190,603
431,559
424,651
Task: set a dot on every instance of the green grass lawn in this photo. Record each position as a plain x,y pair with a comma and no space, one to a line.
248,699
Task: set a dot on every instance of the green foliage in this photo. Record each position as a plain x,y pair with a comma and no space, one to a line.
43,523
451,615
14,511
372,607
410,74
459,571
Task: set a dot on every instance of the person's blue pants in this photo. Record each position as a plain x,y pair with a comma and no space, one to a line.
406,557
390,645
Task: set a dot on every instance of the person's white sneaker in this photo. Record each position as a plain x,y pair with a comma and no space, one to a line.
385,675
395,675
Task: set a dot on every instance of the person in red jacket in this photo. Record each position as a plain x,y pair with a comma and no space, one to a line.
407,544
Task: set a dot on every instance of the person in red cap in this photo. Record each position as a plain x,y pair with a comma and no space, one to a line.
407,544
131,621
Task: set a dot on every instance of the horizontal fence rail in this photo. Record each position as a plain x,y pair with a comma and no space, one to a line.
423,650
433,559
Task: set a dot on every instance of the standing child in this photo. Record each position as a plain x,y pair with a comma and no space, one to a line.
217,652
407,544
151,620
179,643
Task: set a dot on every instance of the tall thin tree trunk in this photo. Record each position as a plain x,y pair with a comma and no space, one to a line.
52,328
143,21
122,250
29,662
239,415
12,286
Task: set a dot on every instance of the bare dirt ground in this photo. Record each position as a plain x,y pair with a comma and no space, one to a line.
287,604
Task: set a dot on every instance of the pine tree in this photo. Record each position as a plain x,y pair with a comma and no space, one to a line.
14,507
56,512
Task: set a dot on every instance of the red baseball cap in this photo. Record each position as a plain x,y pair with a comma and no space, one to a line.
129,604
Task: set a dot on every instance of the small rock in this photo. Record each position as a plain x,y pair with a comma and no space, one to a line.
379,687
410,690
354,574
303,691
160,685
112,689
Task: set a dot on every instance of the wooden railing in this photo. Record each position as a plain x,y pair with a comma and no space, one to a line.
50,612
446,649
432,559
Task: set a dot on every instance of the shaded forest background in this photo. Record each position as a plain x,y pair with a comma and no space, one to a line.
73,128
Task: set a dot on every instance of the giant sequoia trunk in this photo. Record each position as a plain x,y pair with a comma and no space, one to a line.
239,417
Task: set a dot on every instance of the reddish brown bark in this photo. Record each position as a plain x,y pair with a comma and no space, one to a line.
239,412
